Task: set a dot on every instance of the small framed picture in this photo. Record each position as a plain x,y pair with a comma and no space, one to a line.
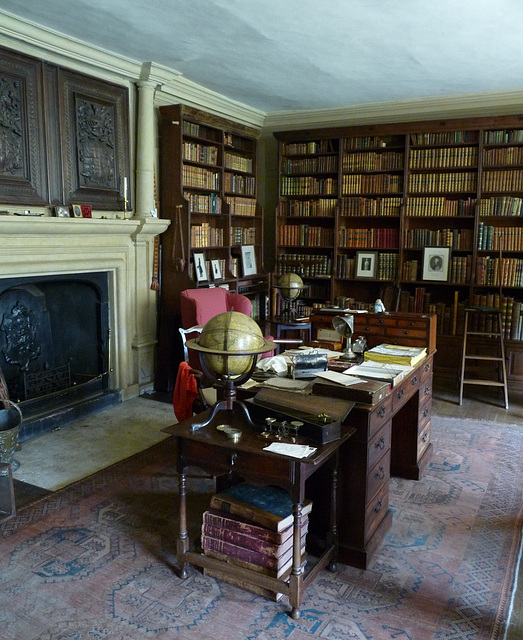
86,211
216,270
200,267
366,263
76,210
436,262
248,260
61,212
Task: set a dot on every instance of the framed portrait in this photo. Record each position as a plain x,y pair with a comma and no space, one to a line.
216,269
436,261
366,264
248,260
61,212
76,210
200,267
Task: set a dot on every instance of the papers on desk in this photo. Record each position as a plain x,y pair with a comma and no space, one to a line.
392,373
290,353
287,384
292,450
339,378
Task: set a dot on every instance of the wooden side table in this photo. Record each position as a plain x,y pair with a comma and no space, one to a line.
211,450
280,326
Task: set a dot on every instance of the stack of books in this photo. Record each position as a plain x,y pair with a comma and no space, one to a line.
395,354
252,527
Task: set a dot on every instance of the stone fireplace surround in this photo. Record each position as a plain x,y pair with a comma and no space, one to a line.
36,246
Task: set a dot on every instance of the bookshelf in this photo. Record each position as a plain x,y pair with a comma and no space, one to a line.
209,192
398,190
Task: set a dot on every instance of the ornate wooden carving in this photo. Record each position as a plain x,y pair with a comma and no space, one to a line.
22,144
95,151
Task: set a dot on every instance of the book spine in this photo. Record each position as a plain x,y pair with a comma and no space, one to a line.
221,520
275,573
258,516
247,555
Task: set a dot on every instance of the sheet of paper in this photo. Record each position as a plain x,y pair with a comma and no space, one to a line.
286,383
292,450
339,378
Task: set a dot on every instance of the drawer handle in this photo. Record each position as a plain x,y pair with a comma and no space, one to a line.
380,474
382,411
426,391
381,321
232,459
406,332
378,506
414,380
424,437
399,394
426,412
427,366
380,444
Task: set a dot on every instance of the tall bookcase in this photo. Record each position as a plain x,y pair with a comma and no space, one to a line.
209,192
387,195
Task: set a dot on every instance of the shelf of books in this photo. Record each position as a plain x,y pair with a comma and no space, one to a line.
209,192
434,208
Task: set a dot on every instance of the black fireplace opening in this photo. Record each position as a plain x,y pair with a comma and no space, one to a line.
54,340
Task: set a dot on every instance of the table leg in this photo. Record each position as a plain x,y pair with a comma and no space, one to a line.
183,536
333,516
296,577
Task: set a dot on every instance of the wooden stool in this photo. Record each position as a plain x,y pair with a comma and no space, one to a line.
487,322
303,328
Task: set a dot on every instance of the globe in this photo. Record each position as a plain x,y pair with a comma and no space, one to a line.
290,286
230,343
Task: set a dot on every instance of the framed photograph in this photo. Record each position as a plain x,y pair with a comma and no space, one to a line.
216,270
61,212
86,211
436,261
76,210
366,263
248,260
200,267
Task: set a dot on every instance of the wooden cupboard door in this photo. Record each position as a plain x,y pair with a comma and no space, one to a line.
23,166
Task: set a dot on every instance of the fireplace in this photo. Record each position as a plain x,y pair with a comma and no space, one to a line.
54,340
80,289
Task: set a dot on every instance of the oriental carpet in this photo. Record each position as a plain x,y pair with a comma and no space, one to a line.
96,560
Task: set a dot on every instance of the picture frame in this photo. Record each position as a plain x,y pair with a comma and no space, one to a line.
76,210
216,269
436,261
61,212
366,264
200,267
248,260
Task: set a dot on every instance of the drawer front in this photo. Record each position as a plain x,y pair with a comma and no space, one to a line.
426,369
376,510
379,444
423,440
378,475
379,415
404,391
424,413
408,332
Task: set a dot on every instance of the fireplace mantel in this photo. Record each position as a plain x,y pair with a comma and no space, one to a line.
124,248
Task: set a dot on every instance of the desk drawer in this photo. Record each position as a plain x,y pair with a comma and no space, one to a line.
378,475
423,439
404,391
219,461
379,444
376,510
427,369
368,420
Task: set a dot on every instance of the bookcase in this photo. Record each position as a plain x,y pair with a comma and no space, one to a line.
209,192
364,209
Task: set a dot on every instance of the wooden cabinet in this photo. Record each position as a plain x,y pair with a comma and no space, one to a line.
390,195
209,191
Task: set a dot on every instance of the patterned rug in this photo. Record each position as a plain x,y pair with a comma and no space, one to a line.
95,561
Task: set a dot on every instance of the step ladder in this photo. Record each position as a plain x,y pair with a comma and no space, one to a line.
495,331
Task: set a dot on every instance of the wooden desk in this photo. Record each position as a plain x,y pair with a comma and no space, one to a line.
210,450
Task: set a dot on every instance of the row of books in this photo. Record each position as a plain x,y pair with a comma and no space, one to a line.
500,206
511,315
243,185
308,185
373,161
372,183
323,208
303,235
510,180
203,203
381,238
305,264
305,148
431,206
442,182
237,163
195,152
368,142
500,238
200,178
503,136
253,527
506,155
443,137
454,238
319,164
239,206
242,235
386,266
506,272
358,206
443,158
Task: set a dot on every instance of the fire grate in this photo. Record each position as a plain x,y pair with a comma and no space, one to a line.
43,383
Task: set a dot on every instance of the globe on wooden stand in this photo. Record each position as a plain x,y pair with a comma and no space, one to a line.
290,286
229,347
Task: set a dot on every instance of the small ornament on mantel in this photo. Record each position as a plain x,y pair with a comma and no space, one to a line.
379,307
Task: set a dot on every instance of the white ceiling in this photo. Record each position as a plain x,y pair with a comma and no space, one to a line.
277,55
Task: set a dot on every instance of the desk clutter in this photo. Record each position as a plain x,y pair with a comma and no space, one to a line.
252,527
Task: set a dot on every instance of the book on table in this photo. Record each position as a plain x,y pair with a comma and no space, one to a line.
268,506
380,371
281,573
395,354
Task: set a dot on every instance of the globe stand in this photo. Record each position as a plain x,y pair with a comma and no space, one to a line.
227,383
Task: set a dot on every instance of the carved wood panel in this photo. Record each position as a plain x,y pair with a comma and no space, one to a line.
95,149
23,168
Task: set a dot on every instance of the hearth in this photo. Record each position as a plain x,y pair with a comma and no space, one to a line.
54,342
